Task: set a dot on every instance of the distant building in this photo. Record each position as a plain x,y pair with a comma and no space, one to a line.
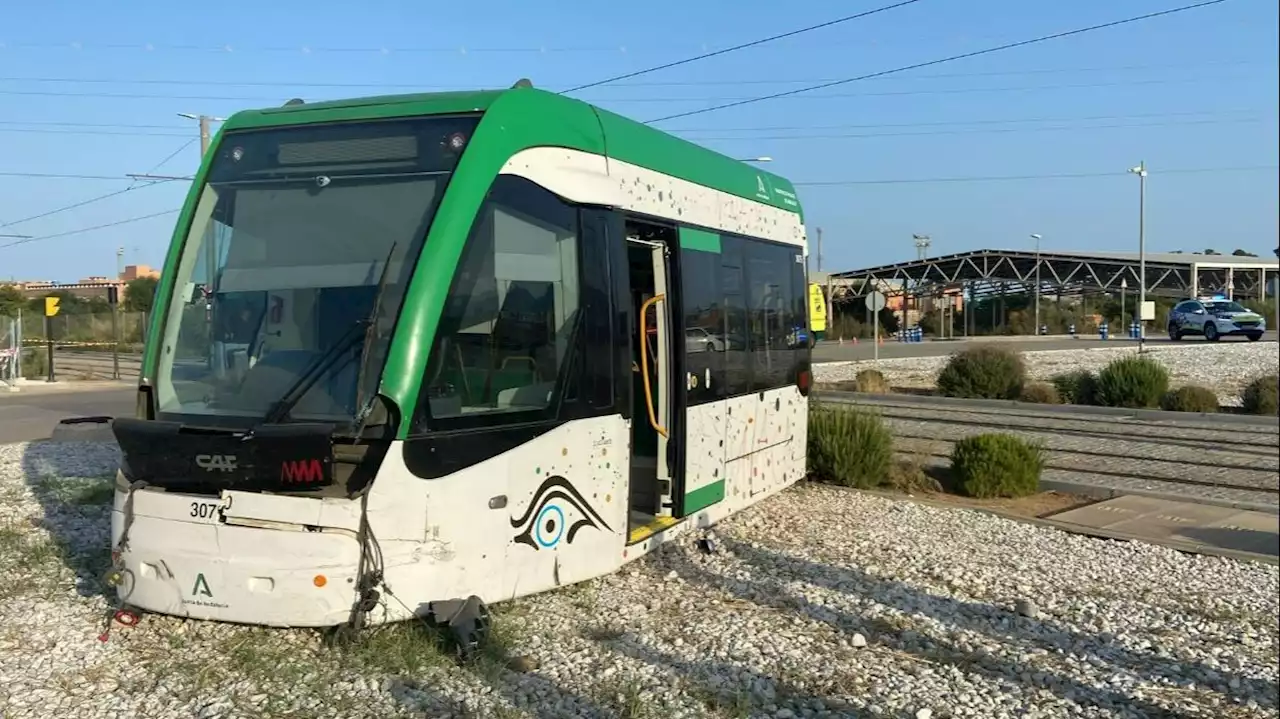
88,287
136,272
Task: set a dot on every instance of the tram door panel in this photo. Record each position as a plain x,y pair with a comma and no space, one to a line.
651,481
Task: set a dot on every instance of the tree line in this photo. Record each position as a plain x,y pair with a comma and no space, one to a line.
139,294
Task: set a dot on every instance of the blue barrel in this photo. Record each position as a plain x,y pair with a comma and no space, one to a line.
1103,330
917,334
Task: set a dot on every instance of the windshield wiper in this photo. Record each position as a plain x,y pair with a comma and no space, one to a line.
312,373
322,364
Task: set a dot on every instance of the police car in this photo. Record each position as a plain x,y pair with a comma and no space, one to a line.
1214,317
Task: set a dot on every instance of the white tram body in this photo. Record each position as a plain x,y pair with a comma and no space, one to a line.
559,508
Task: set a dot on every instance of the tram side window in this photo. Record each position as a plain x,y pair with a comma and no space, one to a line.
776,298
509,332
733,291
704,337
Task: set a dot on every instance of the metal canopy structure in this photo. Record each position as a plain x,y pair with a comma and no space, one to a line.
986,272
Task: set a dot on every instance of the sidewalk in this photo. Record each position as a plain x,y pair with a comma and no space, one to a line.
36,386
1241,534
1245,535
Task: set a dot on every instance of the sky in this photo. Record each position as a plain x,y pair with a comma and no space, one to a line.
90,91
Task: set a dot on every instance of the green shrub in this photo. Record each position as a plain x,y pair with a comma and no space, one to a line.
1078,387
849,446
1132,381
1040,393
1262,395
871,380
996,465
983,372
1190,398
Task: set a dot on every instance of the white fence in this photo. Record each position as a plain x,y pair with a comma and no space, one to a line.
10,352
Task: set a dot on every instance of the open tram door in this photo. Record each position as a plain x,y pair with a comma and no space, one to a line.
654,415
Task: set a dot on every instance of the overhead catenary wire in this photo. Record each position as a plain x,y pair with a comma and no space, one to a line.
810,183
1009,178
1223,119
82,203
665,100
986,130
8,125
60,176
82,230
232,48
940,61
979,121
742,46
194,82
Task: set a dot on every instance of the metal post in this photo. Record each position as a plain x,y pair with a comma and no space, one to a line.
115,342
17,337
875,336
48,336
1141,172
1036,329
1123,292
211,252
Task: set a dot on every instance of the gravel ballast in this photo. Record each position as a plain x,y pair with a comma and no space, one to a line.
1224,367
819,602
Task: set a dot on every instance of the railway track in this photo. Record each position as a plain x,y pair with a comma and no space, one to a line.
93,365
1197,458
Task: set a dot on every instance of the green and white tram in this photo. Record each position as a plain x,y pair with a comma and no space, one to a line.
414,354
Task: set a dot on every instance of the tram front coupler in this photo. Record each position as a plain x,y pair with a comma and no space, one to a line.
467,622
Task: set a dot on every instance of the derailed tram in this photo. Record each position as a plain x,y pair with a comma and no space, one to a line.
416,354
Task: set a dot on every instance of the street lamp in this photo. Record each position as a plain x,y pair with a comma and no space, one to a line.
1037,238
1141,172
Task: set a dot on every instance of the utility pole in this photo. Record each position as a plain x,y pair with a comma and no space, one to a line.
211,250
819,243
115,315
204,121
1141,172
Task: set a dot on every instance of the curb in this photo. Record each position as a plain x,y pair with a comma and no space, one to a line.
1149,415
1095,532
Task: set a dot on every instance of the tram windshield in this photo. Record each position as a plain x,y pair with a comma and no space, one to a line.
299,251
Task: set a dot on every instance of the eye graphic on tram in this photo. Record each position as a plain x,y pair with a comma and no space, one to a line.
556,513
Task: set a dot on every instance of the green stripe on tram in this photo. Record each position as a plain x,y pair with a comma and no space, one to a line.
700,240
703,497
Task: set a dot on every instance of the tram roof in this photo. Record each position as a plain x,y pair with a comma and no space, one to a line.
627,140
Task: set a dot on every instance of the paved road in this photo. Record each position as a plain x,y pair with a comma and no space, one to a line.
33,412
1210,460
834,352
